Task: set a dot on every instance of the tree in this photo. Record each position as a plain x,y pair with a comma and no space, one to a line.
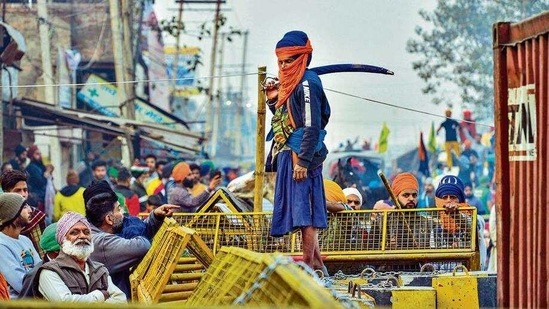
456,48
172,27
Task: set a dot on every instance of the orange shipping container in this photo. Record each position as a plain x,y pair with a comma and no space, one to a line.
521,61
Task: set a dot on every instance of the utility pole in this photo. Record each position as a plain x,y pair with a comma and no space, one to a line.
47,71
209,121
121,69
129,68
175,64
259,173
217,102
55,154
240,109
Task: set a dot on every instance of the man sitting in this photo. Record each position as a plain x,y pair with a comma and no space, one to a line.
117,253
405,230
16,182
354,198
455,224
51,248
72,276
17,253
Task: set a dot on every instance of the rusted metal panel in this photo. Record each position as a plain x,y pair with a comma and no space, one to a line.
521,61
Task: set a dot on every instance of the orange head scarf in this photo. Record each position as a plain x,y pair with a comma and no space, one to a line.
294,43
448,221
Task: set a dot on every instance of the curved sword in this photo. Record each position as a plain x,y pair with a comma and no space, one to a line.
347,67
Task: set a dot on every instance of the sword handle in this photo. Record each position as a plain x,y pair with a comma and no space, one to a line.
388,187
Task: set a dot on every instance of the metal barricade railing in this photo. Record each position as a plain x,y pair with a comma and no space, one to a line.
172,267
414,234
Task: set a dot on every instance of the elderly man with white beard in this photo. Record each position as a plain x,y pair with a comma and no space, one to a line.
72,276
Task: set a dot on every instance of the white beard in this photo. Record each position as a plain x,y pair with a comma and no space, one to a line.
80,249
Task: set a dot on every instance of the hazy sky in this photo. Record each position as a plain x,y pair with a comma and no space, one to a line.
361,31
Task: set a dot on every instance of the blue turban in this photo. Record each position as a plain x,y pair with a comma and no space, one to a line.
206,167
295,38
451,185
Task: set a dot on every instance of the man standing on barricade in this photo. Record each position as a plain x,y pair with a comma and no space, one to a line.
301,112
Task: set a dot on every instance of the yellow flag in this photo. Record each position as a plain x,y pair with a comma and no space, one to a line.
383,138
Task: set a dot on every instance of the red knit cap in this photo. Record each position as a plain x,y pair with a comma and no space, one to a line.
404,181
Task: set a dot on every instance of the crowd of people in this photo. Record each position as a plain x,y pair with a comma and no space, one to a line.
79,243
419,229
470,155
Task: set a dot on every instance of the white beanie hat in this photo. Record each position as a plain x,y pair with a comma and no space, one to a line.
354,191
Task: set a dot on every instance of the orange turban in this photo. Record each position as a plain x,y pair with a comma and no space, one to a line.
333,192
180,171
404,181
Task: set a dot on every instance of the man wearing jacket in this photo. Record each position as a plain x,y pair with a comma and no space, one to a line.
123,187
17,253
301,112
69,198
38,178
72,276
140,173
15,181
118,254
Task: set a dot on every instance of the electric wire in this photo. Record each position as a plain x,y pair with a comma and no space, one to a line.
171,80
94,56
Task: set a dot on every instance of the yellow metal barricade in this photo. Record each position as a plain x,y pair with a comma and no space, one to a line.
239,276
414,297
166,274
460,290
141,268
391,239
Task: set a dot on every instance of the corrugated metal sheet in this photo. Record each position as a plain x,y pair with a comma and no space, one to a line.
521,61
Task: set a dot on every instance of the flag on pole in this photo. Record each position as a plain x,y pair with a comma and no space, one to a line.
423,157
432,144
383,138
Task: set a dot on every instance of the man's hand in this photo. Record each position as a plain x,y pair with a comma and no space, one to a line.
271,94
300,173
165,210
451,207
270,86
214,182
393,242
106,294
380,205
